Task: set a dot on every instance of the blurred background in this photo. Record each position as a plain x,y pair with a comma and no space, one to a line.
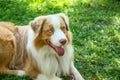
96,31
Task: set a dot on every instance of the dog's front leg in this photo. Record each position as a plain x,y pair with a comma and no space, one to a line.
75,73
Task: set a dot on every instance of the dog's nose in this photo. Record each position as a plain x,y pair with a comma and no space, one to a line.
63,41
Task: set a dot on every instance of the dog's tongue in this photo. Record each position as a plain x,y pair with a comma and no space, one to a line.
58,50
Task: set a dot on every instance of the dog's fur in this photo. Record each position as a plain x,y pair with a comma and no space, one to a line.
27,50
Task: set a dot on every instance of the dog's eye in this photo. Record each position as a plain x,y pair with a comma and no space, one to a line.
63,28
50,31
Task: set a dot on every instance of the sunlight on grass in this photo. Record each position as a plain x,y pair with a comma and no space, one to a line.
39,4
116,20
117,36
34,5
117,61
87,1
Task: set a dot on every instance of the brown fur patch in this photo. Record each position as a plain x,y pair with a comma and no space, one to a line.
21,41
67,33
63,18
46,32
7,44
69,36
38,24
8,25
31,67
13,53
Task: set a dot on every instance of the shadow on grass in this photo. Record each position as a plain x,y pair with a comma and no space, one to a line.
13,77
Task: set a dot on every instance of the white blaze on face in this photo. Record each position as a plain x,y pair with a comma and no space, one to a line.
58,33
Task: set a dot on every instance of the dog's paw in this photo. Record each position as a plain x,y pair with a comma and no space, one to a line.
21,73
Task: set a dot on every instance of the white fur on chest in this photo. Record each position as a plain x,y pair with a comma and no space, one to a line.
47,61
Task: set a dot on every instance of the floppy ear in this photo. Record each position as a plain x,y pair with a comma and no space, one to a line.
37,24
65,19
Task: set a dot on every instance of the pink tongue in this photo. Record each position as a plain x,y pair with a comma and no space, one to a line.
59,50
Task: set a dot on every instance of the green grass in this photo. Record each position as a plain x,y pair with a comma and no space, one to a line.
96,31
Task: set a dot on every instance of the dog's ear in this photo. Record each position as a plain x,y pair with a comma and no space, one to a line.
65,19
37,24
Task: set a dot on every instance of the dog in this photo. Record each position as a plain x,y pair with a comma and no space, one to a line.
42,50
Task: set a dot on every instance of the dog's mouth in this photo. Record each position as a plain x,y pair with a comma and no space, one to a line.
58,50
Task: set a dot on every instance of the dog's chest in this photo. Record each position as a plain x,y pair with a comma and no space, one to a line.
51,64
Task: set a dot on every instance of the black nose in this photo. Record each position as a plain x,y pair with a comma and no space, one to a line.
63,41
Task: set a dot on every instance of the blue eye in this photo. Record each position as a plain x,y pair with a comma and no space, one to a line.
50,31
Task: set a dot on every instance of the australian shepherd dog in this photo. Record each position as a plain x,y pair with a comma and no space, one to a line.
42,50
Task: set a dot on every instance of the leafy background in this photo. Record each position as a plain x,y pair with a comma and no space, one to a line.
96,31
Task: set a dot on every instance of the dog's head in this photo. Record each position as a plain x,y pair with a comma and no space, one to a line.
52,30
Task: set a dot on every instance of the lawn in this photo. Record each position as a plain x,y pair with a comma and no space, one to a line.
96,32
